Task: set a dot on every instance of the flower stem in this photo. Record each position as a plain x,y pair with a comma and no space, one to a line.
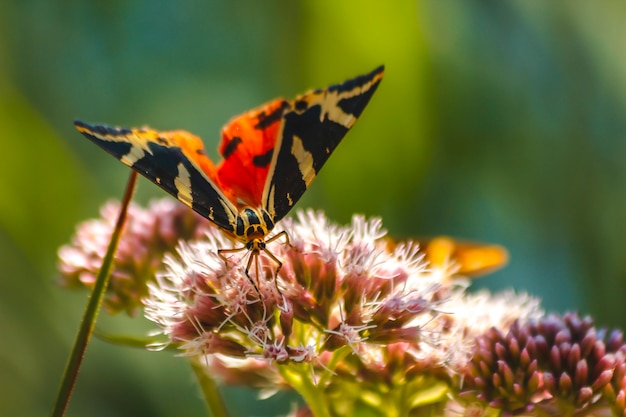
299,379
339,355
91,311
211,394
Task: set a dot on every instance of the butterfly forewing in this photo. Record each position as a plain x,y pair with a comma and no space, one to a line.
310,131
174,161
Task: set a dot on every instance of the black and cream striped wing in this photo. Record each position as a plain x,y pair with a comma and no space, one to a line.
311,129
175,161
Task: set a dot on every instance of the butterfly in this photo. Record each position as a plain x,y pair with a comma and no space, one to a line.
271,155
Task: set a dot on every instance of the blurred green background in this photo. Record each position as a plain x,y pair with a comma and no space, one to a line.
496,121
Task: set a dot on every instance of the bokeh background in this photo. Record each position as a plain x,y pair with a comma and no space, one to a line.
501,122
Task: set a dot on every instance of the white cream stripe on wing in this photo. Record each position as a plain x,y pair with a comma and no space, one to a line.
305,160
328,102
138,150
183,185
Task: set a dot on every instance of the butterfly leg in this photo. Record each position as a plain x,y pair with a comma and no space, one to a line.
278,236
254,255
273,257
221,252
280,265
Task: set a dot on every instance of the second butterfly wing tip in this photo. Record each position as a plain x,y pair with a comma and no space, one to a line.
472,258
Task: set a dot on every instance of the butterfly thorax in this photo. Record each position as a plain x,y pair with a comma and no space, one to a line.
253,224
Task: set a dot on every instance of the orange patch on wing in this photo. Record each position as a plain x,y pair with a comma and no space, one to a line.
193,148
247,146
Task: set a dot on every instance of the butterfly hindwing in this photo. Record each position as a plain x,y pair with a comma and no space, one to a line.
175,161
310,131
247,147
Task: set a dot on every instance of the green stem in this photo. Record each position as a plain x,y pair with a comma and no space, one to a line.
211,394
339,355
299,379
91,311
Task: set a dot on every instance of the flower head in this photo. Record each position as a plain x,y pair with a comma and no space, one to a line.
346,303
546,363
148,234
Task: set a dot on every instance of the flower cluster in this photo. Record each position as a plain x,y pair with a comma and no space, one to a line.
148,234
353,321
348,310
556,365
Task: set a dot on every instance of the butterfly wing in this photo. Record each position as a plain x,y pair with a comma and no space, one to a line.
310,131
472,258
175,161
247,147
